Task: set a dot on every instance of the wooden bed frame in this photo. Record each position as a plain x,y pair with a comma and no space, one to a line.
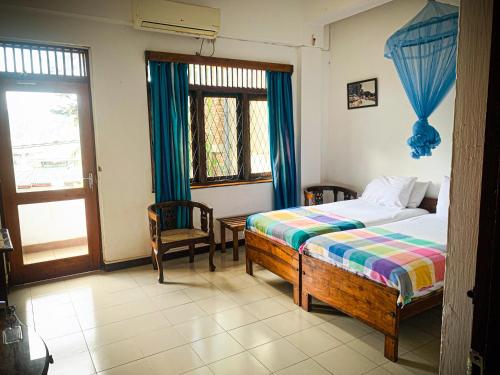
281,259
371,302
278,258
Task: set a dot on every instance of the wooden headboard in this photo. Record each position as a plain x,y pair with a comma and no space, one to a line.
429,204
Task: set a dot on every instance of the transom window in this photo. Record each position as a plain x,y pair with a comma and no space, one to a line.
43,60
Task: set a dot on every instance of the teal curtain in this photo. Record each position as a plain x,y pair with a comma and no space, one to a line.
282,139
169,95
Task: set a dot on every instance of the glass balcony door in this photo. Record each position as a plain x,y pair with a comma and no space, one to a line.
47,169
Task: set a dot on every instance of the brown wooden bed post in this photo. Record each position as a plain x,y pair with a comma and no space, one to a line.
249,266
305,301
391,348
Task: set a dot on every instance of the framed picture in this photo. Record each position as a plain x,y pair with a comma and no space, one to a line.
362,94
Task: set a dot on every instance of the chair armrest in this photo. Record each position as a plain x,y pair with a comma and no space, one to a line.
206,217
154,225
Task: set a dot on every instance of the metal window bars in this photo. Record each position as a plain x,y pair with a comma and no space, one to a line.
43,60
218,76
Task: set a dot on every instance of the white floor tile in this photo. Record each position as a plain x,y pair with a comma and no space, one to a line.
309,367
159,340
345,328
277,355
118,353
184,313
124,329
313,341
234,318
216,347
266,308
288,323
344,360
241,364
175,361
217,304
254,334
199,329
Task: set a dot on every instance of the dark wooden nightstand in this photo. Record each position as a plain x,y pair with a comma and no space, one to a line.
5,249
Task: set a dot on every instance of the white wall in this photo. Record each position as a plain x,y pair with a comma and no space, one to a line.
361,144
120,112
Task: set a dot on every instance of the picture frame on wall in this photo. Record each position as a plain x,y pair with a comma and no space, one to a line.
362,94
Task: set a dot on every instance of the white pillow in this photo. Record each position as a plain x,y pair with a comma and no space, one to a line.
417,194
389,191
443,198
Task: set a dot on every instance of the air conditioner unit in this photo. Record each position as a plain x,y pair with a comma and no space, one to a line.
176,18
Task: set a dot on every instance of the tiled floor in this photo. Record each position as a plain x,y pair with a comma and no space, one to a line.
200,323
53,254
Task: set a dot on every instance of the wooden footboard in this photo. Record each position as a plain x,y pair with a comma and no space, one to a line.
373,303
276,257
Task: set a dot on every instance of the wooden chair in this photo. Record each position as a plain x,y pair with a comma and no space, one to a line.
169,236
313,195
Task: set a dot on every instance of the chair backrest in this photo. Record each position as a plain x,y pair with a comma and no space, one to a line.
314,195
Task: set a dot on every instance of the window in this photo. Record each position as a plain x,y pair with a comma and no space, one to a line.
229,137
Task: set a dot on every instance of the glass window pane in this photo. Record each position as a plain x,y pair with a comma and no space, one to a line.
221,137
45,140
53,230
259,137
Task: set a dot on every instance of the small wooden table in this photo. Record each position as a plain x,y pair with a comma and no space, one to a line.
235,224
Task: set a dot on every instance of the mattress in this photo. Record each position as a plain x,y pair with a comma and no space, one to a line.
294,226
408,255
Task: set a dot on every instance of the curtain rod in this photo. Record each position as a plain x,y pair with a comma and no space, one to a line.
217,61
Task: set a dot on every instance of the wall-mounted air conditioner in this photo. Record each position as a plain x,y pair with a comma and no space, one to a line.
176,18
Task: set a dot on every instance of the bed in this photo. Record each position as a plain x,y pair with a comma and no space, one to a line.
272,239
380,274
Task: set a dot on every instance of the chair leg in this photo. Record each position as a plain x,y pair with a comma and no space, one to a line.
153,259
235,245
222,238
191,253
211,265
159,258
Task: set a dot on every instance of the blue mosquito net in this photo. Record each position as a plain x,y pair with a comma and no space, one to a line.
424,53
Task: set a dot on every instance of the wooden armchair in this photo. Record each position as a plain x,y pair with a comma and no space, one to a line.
170,237
313,195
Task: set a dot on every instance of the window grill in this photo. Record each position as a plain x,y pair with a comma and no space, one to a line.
260,157
218,76
43,60
222,135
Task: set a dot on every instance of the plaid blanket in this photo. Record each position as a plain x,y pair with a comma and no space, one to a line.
411,265
294,226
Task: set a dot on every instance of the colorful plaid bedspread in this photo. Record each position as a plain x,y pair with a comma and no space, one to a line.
411,265
296,225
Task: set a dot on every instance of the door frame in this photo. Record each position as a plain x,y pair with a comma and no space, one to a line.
24,273
484,343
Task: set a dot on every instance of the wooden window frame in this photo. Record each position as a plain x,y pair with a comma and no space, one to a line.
198,92
198,156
